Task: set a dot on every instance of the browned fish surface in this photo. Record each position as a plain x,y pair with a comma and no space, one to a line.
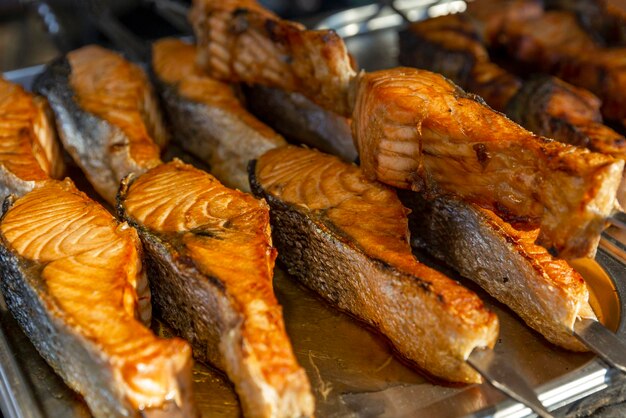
29,152
346,238
416,130
240,41
107,115
72,274
555,43
211,259
206,115
546,292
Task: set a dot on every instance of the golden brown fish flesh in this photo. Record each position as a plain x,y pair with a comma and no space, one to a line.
209,120
73,278
416,130
546,292
29,152
107,115
211,259
346,238
240,41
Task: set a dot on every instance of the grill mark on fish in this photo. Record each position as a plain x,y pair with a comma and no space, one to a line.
575,188
346,238
258,47
29,152
544,291
211,259
97,116
74,291
208,118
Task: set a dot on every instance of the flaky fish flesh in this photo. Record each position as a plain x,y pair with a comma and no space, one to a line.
207,117
29,151
73,279
346,238
107,115
211,260
417,130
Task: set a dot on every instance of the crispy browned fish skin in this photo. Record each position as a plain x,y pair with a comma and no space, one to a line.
301,120
208,118
416,130
211,261
29,151
242,42
107,115
71,278
346,238
547,293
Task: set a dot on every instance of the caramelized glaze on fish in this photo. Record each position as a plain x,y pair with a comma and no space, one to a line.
416,130
211,260
71,278
346,238
242,42
546,292
29,152
208,118
107,115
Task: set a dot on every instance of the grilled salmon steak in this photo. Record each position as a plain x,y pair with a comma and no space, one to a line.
104,106
546,292
29,152
240,41
208,118
346,238
545,105
211,259
72,278
416,130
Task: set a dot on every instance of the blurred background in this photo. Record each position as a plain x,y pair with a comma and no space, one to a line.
24,40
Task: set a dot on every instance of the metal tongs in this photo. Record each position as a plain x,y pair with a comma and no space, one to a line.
383,15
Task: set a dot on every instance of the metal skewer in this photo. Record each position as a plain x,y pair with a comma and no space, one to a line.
506,379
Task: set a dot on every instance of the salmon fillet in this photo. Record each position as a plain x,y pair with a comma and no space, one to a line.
416,130
346,238
239,41
546,292
211,259
29,151
104,106
209,120
72,274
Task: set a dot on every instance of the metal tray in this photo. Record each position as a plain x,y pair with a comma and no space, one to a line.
353,371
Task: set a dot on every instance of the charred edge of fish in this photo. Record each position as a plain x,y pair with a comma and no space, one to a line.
7,203
420,52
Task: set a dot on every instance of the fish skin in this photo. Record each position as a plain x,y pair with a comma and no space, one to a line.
43,292
417,130
430,319
89,138
240,41
207,116
224,306
547,293
29,151
302,121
